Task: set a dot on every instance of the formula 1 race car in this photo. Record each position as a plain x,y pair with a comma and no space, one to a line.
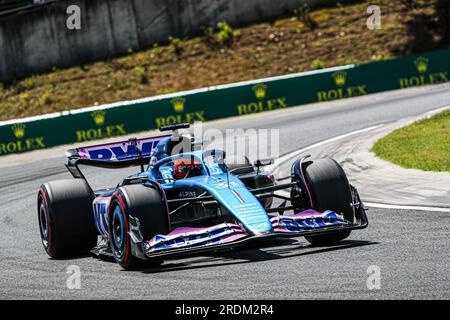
188,202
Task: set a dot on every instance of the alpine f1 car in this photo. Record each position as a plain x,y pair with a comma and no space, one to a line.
189,202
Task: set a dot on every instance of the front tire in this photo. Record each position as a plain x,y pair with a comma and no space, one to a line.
331,191
145,204
66,219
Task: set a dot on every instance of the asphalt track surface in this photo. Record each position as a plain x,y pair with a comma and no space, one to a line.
410,247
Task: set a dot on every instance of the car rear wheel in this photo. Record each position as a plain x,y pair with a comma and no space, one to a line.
66,219
145,204
330,191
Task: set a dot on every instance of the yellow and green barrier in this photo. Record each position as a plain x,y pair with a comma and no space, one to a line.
79,126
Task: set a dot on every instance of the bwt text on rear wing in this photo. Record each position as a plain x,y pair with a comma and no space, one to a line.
117,151
120,154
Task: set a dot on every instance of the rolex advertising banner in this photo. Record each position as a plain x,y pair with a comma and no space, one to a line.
80,126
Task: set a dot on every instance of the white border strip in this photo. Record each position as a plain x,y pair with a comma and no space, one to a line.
433,112
290,155
401,207
172,95
389,206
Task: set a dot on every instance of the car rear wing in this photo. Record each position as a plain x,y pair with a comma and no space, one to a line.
115,155
117,151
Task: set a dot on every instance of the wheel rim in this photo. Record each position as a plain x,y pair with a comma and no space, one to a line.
118,234
44,225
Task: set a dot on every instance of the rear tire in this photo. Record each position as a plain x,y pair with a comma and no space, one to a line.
145,204
331,191
66,219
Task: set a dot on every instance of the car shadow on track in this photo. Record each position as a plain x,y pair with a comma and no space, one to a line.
272,250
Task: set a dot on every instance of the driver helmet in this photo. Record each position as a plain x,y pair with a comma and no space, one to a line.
181,168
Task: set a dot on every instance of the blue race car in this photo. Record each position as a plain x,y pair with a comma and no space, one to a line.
190,201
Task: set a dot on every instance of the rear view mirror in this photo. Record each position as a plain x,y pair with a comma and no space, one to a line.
263,162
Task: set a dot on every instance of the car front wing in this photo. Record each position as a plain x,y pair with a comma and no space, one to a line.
189,241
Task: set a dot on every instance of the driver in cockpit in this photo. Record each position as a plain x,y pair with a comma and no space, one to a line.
186,168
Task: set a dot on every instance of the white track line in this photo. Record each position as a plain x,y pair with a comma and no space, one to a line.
433,112
288,156
388,206
400,207
172,95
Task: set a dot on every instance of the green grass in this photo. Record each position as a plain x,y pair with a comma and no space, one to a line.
423,145
262,50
